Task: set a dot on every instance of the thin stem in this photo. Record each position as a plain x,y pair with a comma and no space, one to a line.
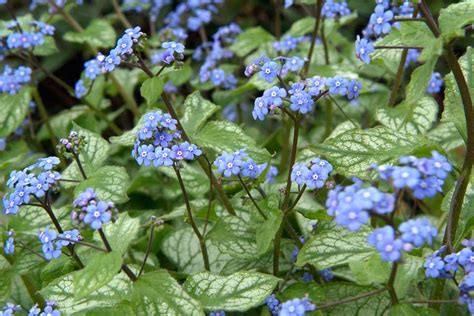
209,203
298,197
390,285
294,149
342,111
407,19
251,197
120,15
397,47
314,34
325,44
432,301
148,249
329,120
350,299
44,116
202,242
277,5
79,164
83,243
23,245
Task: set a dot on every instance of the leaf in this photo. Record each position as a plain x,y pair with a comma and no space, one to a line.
410,118
110,183
237,292
454,111
266,232
33,218
151,89
250,40
13,110
47,48
453,19
196,180
61,122
128,138
301,27
121,233
99,271
196,112
99,33
335,247
419,80
447,135
224,136
370,271
352,152
181,247
92,156
61,291
157,293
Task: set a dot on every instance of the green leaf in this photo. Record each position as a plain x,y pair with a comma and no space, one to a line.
447,135
121,233
157,293
99,271
454,111
151,89
13,110
352,152
410,118
61,291
237,292
403,309
128,138
196,112
302,27
33,218
370,271
62,121
109,182
335,247
453,19
99,33
250,40
196,180
92,156
47,48
266,232
224,136
420,78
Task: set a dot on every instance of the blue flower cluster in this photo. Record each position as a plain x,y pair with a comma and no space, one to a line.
218,52
72,144
52,242
192,14
59,3
12,80
217,313
335,9
269,69
289,43
33,181
152,7
412,56
9,247
303,94
296,307
440,265
273,304
9,309
313,176
104,64
238,163
423,176
158,142
49,310
436,83
91,211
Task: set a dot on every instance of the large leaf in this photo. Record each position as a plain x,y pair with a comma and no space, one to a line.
237,292
250,40
61,122
121,233
196,112
13,110
447,135
109,182
157,293
99,33
419,81
61,291
99,271
352,152
410,118
267,231
92,156
453,19
454,111
335,247
223,136
151,89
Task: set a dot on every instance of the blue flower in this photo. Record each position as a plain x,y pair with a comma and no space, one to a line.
112,60
441,165
427,187
92,69
435,84
369,197
229,164
337,85
294,64
260,109
168,122
434,267
467,284
451,262
173,47
363,49
301,102
299,173
383,239
250,169
50,251
296,87
316,177
79,89
466,259
151,119
163,139
9,309
352,218
97,215
412,56
296,307
217,313
162,157
273,304
353,89
217,76
384,3
405,177
271,174
134,32
288,3
269,71
191,151
71,235
9,247
315,85
84,198
417,232
326,274
48,163
385,205
274,96
146,155
380,20
34,310
50,310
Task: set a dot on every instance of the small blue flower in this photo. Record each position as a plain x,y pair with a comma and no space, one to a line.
46,238
269,71
9,248
112,60
363,49
307,277
273,304
301,102
271,174
434,267
427,187
417,232
299,173
79,89
168,122
315,85
352,218
326,274
353,89
48,163
383,239
34,310
288,3
163,139
296,87
190,151
274,96
151,119
296,307
412,56
97,215
467,284
385,205
316,177
451,262
173,47
260,109
381,19
337,85
84,198
435,84
162,157
250,169
369,197
466,259
217,76
124,45
92,69
71,235
134,33
217,313
146,155
294,64
405,177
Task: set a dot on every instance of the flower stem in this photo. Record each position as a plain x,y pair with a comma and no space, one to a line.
123,19
202,242
148,248
251,197
342,111
79,164
319,7
23,245
44,117
390,284
350,299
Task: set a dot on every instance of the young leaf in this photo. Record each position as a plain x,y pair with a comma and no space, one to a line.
453,19
250,40
14,110
196,112
266,232
151,89
99,271
121,233
99,33
236,292
157,293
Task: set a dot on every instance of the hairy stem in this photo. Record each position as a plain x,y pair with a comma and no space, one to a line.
202,242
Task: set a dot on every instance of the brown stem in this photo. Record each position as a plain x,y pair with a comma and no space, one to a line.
350,299
251,197
120,15
79,164
148,249
319,7
390,284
